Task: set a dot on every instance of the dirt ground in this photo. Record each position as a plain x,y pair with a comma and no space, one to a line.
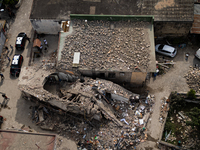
19,112
173,80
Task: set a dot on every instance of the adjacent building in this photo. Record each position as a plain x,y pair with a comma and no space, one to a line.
115,44
171,17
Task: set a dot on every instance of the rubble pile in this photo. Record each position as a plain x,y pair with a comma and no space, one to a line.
99,134
193,79
94,113
164,65
117,45
186,136
164,108
50,61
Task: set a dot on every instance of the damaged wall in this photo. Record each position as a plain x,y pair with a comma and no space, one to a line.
172,28
45,26
134,78
78,97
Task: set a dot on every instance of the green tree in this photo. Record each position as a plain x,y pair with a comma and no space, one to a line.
194,115
10,2
191,94
177,102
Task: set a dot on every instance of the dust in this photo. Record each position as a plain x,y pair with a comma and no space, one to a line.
164,3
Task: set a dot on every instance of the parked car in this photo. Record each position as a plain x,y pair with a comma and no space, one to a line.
21,41
166,50
198,53
16,65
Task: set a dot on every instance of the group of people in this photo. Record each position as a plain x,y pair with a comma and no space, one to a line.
46,45
8,52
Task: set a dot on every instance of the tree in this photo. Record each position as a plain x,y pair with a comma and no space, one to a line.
10,2
191,94
194,115
177,102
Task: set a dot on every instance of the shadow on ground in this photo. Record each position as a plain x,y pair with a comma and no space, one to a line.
23,115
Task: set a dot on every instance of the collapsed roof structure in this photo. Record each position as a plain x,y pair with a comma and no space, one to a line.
98,103
81,96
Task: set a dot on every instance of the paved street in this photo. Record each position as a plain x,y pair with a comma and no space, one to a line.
173,80
19,112
17,115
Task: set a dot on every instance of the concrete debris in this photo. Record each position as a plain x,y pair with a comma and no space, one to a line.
193,79
164,109
187,132
164,65
122,47
86,110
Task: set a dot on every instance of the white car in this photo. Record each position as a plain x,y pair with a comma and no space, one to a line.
198,53
166,50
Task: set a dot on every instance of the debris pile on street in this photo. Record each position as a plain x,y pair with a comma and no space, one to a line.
117,45
98,134
193,79
164,108
186,132
94,113
164,65
179,128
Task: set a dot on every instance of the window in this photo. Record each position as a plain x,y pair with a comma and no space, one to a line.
161,47
121,73
174,51
111,75
102,75
165,51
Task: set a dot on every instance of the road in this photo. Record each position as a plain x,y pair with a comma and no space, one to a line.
173,80
18,113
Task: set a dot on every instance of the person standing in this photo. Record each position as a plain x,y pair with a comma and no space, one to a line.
7,50
28,39
4,96
45,42
41,47
5,101
45,50
2,76
8,59
11,47
186,56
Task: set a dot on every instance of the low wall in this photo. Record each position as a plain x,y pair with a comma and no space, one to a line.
160,138
146,18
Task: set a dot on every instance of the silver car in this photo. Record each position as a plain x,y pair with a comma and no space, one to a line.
198,53
166,50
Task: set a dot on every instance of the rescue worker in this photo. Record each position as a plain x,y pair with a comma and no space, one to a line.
45,42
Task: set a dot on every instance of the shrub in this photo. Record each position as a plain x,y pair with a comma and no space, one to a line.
191,94
10,2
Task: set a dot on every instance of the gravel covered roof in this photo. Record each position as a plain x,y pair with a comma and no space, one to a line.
105,45
163,10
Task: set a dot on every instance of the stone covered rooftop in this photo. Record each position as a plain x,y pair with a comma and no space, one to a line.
163,10
105,45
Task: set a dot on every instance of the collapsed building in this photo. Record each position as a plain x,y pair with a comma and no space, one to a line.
78,97
92,102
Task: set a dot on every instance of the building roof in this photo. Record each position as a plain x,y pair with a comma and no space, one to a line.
105,45
196,24
24,140
163,10
169,10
